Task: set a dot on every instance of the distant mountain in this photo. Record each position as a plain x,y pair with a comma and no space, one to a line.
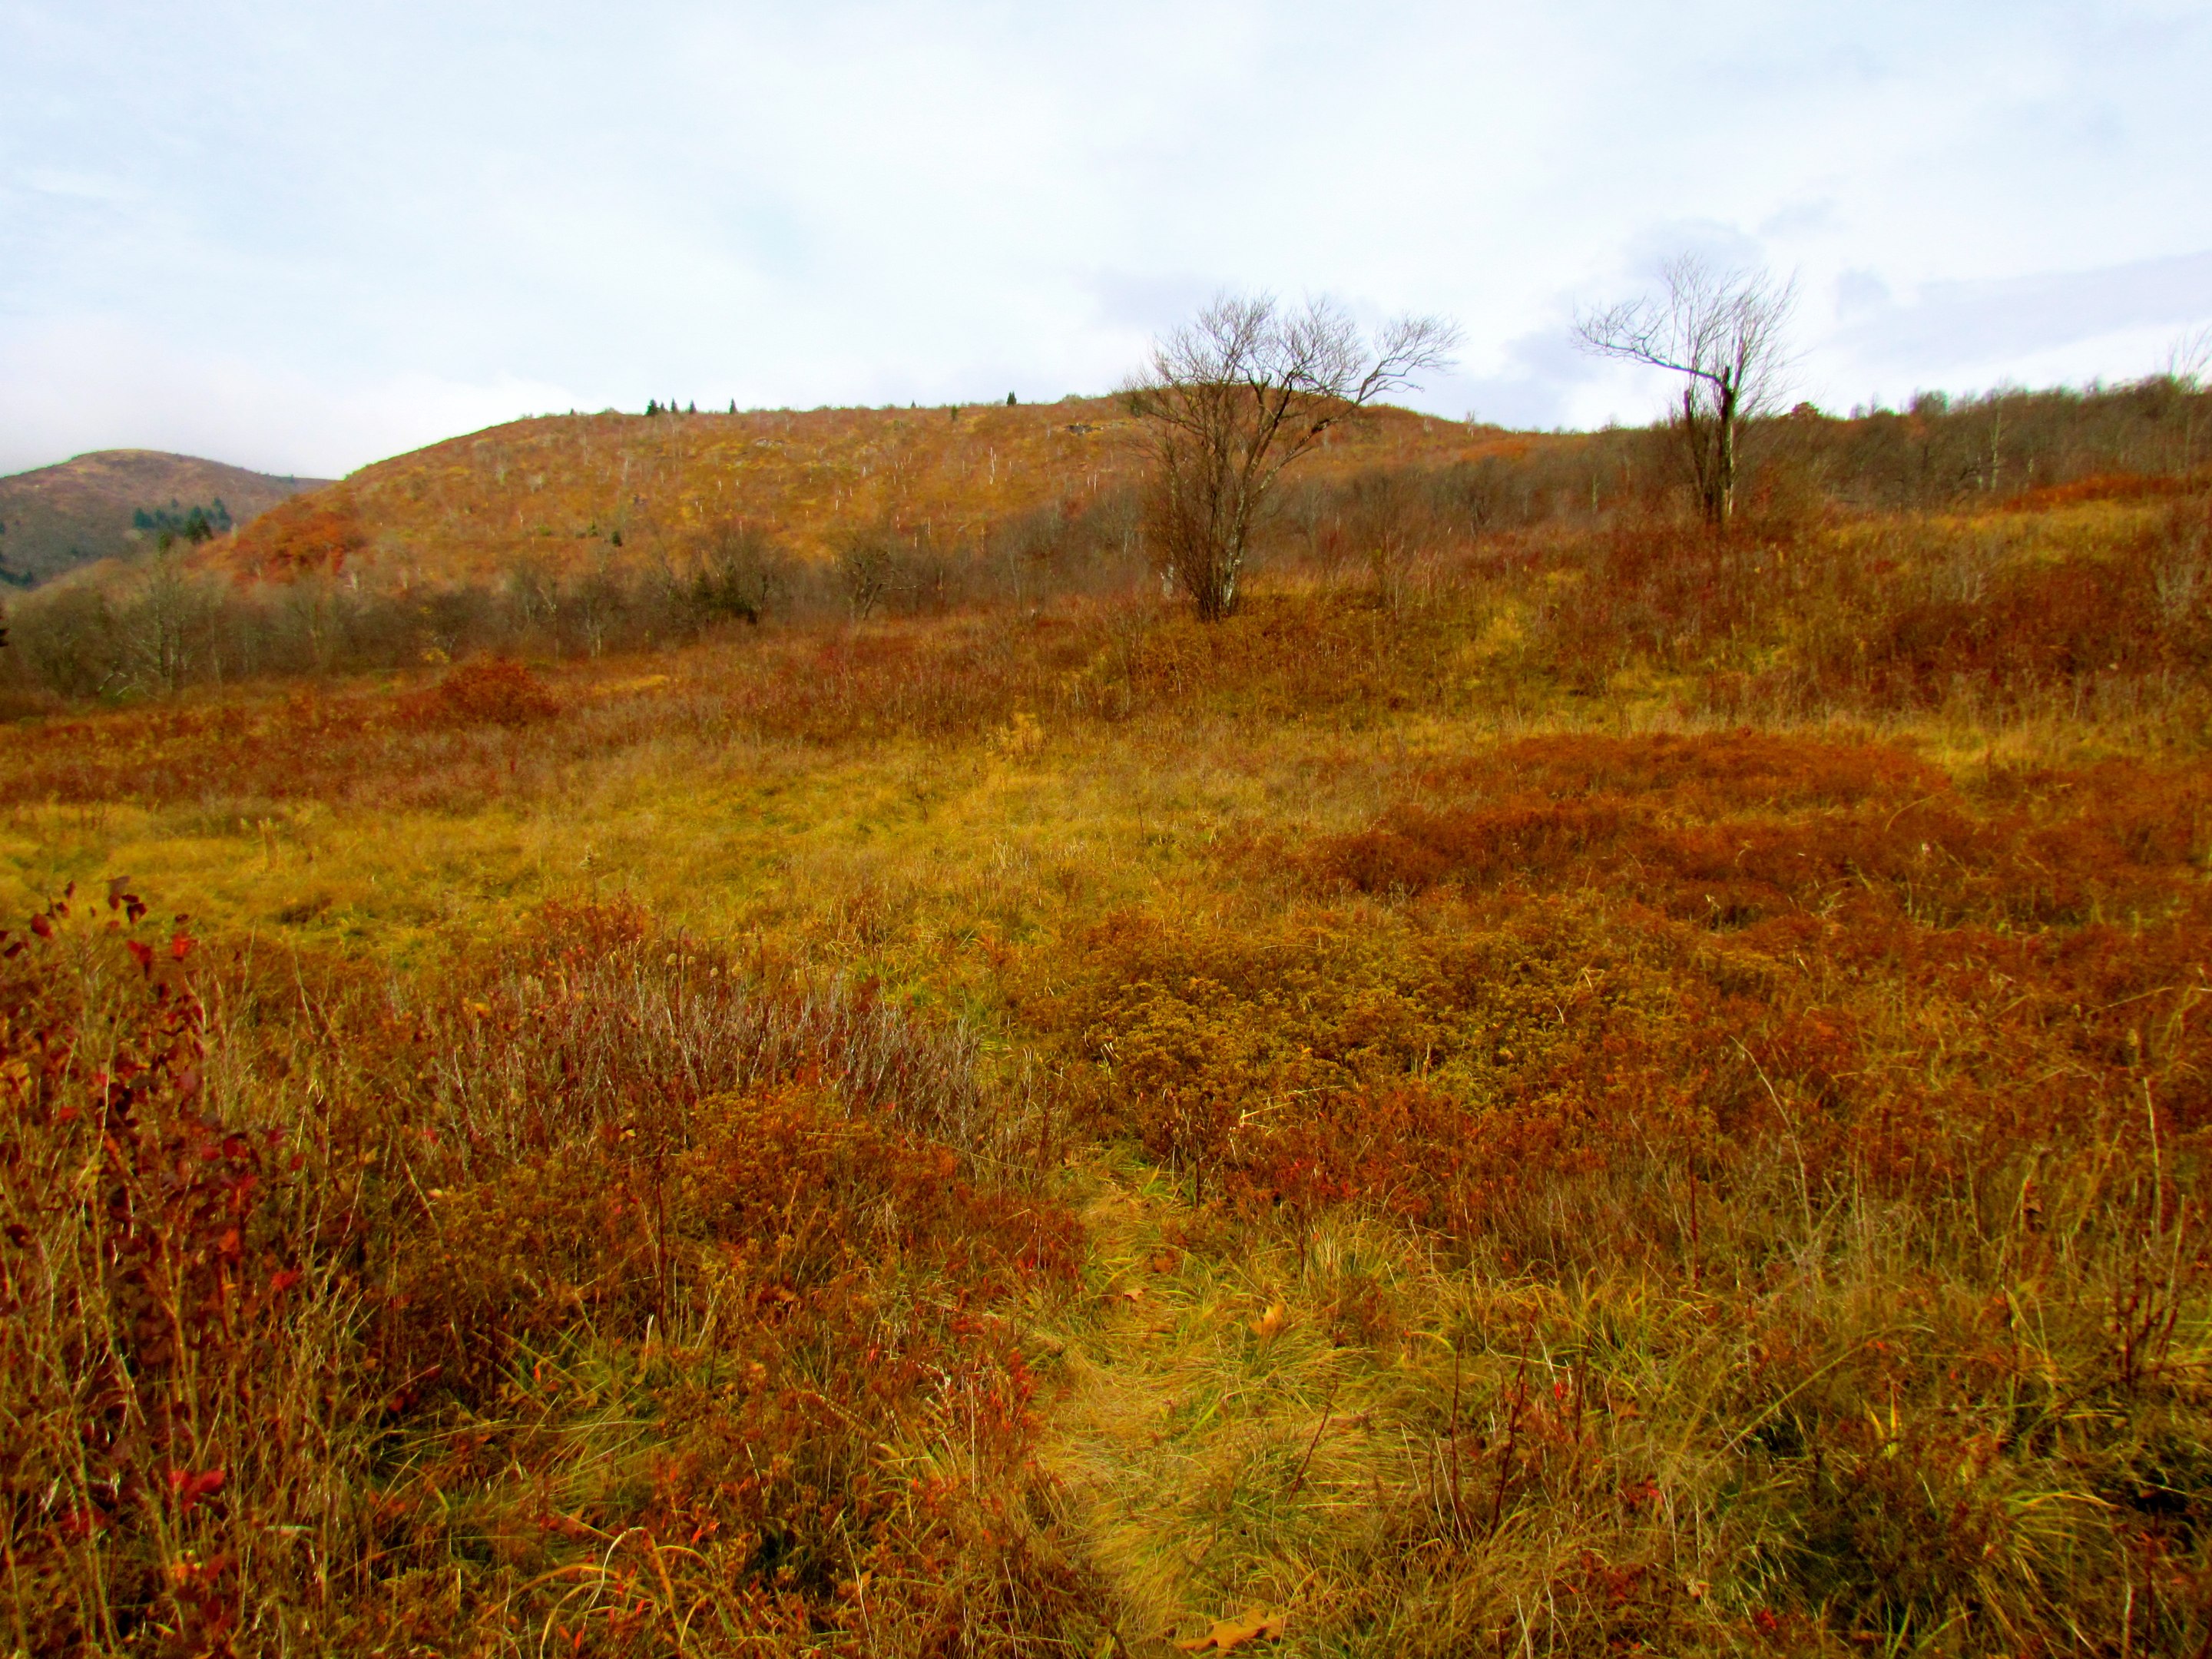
116,503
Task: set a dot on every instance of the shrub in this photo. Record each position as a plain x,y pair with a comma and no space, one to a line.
589,1286
489,691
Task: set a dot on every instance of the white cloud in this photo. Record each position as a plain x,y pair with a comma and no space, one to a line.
90,383
1950,325
349,230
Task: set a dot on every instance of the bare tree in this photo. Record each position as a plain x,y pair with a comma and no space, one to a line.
1724,333
162,622
2188,357
737,571
1235,396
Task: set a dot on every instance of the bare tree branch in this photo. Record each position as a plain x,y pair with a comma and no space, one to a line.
1240,392
1725,333
2188,357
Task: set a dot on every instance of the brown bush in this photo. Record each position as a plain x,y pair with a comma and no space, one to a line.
309,535
2103,487
1702,830
489,691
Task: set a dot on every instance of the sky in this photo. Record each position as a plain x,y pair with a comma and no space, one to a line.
302,236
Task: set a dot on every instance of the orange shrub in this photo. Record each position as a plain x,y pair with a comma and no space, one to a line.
2103,487
312,534
1900,982
1434,1075
2119,839
1703,775
489,691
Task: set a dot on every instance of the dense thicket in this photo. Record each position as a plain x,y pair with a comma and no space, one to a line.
165,626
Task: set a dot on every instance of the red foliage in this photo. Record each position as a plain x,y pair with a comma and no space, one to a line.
109,1137
309,535
489,691
1701,828
583,1144
1735,945
2103,487
1701,775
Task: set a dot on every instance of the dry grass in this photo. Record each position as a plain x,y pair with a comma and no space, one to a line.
568,492
1704,1047
1850,1435
599,1288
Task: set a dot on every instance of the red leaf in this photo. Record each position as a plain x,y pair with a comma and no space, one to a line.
181,946
284,1279
42,927
189,1488
142,954
80,1521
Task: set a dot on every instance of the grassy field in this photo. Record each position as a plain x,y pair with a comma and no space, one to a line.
1585,1092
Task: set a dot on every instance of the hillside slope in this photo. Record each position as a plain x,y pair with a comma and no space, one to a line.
571,496
56,517
572,492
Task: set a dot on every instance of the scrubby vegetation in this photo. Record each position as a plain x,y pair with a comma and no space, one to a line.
595,1285
1558,1084
582,535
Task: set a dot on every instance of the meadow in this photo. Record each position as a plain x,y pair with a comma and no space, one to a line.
1550,1087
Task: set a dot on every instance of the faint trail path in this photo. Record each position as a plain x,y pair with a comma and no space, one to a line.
1184,1435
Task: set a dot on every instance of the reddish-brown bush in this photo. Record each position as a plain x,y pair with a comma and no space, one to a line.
292,1349
309,535
1717,842
2103,487
1704,775
1612,980
489,691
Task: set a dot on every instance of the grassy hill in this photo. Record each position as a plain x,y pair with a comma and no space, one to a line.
115,502
568,497
567,493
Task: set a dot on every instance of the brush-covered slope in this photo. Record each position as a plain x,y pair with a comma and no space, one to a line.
110,503
575,491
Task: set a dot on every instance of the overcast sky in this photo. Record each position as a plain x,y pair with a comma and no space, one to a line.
300,236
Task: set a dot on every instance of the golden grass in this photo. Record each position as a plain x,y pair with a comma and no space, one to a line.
557,491
1818,1361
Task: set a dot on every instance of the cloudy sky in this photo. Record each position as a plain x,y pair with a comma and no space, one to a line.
300,235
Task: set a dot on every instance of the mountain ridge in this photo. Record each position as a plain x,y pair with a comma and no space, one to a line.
75,513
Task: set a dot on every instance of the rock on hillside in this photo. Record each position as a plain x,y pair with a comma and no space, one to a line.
111,503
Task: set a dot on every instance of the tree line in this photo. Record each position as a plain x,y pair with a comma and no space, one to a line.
164,626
